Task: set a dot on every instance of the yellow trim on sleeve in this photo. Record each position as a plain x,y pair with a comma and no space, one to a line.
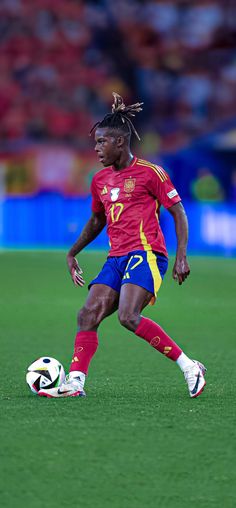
158,170
151,259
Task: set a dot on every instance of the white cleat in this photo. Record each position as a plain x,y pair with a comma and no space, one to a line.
72,387
194,377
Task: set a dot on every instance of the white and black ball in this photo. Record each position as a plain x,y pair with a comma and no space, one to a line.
45,372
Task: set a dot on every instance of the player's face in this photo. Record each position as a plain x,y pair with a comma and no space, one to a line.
107,146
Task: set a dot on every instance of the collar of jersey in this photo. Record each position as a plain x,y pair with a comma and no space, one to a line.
128,167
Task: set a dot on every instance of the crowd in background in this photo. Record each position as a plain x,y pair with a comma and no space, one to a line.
60,60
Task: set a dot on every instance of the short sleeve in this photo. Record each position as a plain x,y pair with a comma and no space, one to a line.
97,205
163,189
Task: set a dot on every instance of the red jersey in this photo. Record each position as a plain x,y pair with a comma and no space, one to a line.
131,199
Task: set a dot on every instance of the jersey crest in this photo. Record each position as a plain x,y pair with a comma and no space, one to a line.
129,184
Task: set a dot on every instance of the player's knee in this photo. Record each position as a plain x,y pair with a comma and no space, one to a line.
88,319
129,319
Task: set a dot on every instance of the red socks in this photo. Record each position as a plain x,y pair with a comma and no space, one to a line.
86,344
157,338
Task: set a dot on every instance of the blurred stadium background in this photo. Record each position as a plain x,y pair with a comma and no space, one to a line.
59,63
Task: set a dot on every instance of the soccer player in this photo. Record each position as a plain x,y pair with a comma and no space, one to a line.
126,196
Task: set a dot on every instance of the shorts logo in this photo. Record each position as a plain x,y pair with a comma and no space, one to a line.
129,184
172,193
115,193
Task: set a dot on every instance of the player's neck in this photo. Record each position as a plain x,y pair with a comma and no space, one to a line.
124,161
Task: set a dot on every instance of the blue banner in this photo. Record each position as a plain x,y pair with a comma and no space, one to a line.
52,220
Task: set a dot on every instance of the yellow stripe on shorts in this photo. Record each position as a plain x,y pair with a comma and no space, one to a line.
152,261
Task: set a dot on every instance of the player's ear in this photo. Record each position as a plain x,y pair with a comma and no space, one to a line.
120,141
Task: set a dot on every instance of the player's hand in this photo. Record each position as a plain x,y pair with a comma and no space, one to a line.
181,269
75,270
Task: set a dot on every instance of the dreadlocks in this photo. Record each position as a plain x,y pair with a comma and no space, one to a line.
120,116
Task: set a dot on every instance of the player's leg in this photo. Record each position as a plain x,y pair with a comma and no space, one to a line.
133,299
101,302
142,279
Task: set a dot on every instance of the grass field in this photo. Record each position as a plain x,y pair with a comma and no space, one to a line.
137,440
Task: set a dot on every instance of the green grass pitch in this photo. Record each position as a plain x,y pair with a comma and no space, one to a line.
137,440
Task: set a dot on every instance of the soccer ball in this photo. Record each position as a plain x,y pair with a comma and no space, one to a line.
45,372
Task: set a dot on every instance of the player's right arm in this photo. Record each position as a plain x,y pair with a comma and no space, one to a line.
94,226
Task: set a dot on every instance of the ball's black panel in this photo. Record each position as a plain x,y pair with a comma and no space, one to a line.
44,372
37,384
54,383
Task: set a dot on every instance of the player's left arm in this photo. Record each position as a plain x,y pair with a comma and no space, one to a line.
181,268
163,189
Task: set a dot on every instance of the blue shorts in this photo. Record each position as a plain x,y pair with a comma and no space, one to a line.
143,268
